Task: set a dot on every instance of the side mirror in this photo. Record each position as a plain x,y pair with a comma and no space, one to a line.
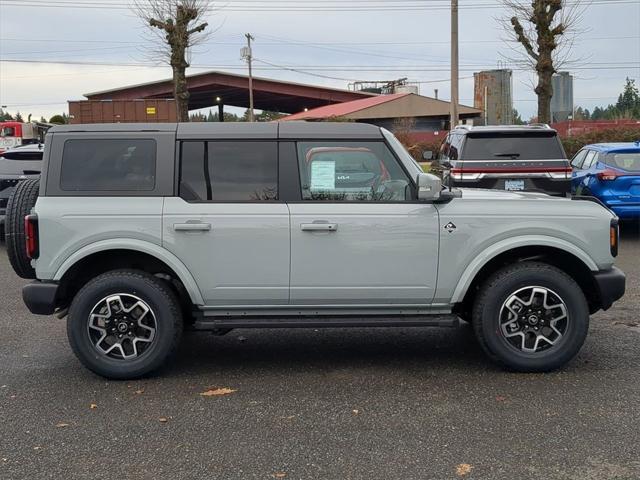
427,155
429,187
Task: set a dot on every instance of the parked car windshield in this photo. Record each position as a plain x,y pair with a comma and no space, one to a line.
512,147
625,161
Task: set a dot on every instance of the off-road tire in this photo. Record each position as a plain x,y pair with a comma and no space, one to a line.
20,203
160,298
495,291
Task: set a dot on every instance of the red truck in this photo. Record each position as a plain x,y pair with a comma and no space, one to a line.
13,134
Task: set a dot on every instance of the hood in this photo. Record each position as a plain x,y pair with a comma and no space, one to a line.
486,194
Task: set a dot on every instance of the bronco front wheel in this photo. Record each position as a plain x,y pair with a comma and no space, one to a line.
531,317
124,324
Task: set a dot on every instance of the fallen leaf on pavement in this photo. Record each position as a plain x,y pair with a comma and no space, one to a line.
139,392
217,392
163,419
93,406
356,411
279,475
61,425
463,469
500,398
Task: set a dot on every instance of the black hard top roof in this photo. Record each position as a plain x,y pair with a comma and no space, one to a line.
231,130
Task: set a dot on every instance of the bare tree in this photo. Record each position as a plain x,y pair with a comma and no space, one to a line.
546,30
178,25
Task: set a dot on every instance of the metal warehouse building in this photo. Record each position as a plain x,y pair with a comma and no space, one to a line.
152,102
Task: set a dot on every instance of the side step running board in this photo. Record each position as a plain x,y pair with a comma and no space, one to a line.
213,323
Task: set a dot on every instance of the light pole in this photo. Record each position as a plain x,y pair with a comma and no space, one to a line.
455,95
247,55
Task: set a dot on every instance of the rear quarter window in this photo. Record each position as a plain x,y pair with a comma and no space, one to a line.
510,146
629,161
108,165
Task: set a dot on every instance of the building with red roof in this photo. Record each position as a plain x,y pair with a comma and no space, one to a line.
429,114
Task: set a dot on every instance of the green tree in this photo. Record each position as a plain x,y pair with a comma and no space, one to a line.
268,116
19,117
628,104
59,119
517,119
5,116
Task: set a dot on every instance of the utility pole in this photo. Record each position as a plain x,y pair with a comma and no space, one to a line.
248,56
455,94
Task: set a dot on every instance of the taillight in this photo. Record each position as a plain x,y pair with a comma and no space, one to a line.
609,175
31,236
614,237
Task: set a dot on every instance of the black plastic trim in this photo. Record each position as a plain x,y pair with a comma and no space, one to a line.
40,297
320,321
611,286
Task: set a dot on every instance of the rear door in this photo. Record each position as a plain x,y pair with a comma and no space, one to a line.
357,236
228,225
581,175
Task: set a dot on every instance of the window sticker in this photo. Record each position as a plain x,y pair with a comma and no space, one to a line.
323,175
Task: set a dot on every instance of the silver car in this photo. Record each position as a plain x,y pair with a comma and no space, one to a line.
137,232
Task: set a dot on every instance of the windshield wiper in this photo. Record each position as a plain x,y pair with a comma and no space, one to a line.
511,155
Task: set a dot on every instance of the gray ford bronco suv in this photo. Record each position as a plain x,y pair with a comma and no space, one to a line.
137,232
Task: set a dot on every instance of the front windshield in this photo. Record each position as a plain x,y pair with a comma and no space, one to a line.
397,147
7,132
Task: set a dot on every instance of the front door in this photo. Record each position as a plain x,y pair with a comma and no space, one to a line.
228,226
358,237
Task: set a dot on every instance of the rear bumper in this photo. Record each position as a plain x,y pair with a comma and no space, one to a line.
560,187
40,297
626,212
611,286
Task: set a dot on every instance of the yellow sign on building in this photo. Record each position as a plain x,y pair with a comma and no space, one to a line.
151,110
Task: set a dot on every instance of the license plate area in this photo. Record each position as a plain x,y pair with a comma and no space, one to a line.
514,185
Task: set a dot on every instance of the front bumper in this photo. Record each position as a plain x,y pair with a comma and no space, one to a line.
40,297
611,286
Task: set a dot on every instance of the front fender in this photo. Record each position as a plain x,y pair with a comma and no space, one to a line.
140,246
509,244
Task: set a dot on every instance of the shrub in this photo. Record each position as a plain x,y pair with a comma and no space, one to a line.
627,134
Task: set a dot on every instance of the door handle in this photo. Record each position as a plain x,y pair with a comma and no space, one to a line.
319,227
192,227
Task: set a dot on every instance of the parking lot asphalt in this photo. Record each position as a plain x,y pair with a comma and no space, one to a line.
414,403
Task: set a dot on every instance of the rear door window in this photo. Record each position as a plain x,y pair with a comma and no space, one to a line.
108,165
229,171
512,147
589,160
351,171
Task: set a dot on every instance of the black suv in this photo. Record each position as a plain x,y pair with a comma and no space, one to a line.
517,158
20,163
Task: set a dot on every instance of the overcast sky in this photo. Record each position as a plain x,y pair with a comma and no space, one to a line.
367,40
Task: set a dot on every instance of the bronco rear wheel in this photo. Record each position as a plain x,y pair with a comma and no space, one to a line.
124,324
20,203
531,317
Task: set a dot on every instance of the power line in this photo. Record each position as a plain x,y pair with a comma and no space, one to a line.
334,68
282,6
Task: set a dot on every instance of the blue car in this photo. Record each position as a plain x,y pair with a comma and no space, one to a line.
611,173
